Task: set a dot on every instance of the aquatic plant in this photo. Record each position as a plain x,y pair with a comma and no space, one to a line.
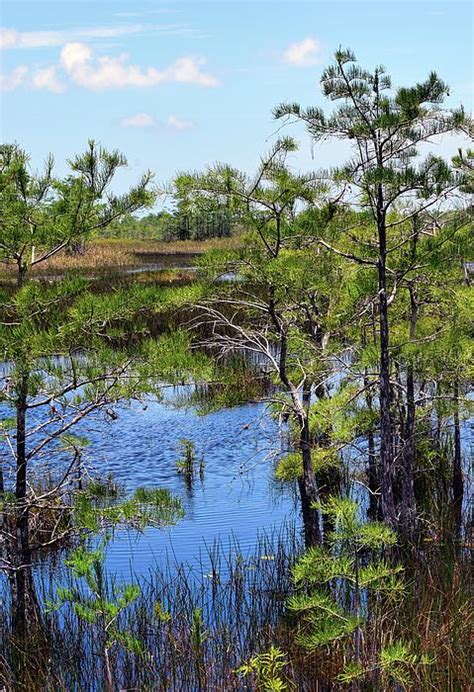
243,613
267,670
189,463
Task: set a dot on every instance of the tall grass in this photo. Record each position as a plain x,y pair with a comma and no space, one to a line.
198,623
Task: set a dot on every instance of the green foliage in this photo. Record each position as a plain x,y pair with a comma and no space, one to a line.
161,614
351,567
397,664
342,416
290,467
199,634
188,464
73,353
267,669
173,360
95,510
42,214
95,607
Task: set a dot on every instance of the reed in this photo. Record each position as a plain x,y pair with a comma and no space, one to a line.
198,624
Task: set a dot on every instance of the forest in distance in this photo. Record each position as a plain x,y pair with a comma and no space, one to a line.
318,327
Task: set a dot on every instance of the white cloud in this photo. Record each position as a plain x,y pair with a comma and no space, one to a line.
304,53
175,123
42,78
113,72
47,78
187,70
11,38
145,120
139,120
14,79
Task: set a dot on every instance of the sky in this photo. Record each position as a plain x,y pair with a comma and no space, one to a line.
180,85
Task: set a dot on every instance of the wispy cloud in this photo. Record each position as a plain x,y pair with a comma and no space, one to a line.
11,38
139,120
305,53
115,72
41,78
145,120
47,78
15,79
146,12
175,123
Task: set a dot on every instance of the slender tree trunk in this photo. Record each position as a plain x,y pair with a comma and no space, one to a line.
21,519
20,548
408,503
373,474
307,485
30,644
30,641
386,471
458,482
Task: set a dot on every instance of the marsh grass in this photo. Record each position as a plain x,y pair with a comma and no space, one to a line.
198,623
111,256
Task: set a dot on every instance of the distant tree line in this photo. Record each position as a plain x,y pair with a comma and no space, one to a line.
169,226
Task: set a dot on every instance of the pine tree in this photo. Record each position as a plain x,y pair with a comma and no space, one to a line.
385,127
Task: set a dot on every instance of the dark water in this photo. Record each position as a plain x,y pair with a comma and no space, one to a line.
158,261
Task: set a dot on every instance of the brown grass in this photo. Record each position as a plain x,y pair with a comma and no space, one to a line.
130,253
113,254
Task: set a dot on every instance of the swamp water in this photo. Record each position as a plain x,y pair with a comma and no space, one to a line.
235,499
233,502
228,558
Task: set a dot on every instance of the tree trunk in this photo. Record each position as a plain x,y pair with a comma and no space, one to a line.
21,274
21,507
408,503
372,470
30,642
307,484
386,471
458,482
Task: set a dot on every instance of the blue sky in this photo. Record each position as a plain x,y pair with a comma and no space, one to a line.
180,85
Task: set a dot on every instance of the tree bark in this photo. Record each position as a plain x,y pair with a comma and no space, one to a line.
307,484
21,519
408,503
458,482
373,473
30,641
21,274
386,471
